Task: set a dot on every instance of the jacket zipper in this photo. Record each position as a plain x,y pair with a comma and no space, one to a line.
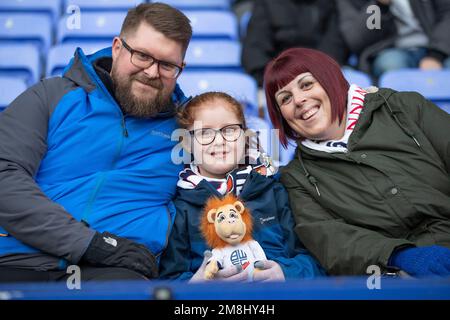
124,127
123,134
100,181
167,232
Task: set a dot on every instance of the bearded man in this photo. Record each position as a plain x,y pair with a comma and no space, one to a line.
86,176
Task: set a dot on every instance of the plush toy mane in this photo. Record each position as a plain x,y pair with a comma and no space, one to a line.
208,229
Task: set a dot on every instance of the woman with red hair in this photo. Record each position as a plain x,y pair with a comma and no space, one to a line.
369,184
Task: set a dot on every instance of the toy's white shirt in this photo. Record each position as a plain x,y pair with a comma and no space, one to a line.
244,254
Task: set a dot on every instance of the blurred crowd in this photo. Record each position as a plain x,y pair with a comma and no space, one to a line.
373,36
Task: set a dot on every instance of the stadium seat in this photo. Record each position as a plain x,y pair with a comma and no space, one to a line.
213,24
357,77
263,130
94,26
237,84
26,28
20,60
10,88
60,55
286,155
433,84
50,7
243,23
214,54
199,4
102,5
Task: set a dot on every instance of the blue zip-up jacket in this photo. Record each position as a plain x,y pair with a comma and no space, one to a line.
273,228
68,154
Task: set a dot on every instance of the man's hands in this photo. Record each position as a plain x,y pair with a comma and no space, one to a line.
430,63
109,250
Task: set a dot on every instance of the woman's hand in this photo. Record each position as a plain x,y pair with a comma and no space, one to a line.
423,261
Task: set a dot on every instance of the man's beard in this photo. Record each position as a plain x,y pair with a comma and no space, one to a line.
132,105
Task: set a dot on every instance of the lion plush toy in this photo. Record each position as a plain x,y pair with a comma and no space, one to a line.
227,227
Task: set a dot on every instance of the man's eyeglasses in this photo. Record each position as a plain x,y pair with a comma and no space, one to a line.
143,60
206,136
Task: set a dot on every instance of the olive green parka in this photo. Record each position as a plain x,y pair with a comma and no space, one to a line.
391,189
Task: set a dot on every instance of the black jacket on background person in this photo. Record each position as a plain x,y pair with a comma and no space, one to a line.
433,17
282,24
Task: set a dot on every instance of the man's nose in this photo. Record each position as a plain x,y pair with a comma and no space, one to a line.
152,71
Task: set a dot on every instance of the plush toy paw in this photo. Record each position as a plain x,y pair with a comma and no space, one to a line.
210,270
208,275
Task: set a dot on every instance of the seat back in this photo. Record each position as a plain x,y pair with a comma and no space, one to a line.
432,84
26,27
94,27
59,56
213,24
213,55
10,88
20,60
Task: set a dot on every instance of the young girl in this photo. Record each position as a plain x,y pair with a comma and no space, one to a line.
220,165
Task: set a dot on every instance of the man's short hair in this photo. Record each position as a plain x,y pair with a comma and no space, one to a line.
163,18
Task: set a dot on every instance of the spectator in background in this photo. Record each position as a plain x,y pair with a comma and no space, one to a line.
413,34
86,174
282,24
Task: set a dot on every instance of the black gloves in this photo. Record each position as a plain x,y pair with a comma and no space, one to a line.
109,250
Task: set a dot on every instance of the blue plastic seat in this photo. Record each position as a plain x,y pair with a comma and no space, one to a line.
243,23
103,5
26,28
433,84
94,26
264,132
10,88
213,54
213,24
199,4
21,61
50,7
239,85
357,77
286,155
59,56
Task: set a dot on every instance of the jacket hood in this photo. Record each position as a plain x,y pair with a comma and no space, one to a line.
255,185
81,71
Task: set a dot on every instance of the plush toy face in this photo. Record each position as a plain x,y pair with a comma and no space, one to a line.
228,222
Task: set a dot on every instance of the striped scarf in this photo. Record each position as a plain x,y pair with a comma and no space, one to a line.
233,182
